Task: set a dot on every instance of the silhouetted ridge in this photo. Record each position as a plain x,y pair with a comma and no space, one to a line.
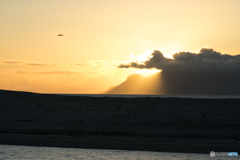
181,83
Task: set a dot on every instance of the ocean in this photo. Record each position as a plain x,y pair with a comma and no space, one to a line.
157,96
12,152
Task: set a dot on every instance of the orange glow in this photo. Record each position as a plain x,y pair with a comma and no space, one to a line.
97,35
147,72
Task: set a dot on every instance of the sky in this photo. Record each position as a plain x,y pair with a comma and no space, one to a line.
98,36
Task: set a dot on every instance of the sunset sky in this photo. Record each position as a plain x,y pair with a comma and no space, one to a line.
100,35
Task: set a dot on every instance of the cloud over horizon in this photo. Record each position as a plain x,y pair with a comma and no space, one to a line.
56,72
206,60
28,64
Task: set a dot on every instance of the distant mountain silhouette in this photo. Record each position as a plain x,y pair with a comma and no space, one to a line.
137,84
180,83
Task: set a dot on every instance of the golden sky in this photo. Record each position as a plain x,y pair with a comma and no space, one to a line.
101,34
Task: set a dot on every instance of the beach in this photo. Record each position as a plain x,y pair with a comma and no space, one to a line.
185,125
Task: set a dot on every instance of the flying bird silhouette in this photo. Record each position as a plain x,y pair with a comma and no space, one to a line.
60,35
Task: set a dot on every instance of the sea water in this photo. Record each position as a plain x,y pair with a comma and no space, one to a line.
55,153
157,96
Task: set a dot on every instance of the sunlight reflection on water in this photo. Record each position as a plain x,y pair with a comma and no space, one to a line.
29,152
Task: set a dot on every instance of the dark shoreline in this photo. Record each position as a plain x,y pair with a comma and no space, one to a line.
183,125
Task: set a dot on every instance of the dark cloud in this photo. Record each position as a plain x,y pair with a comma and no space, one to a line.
207,60
12,62
56,72
39,64
207,72
28,64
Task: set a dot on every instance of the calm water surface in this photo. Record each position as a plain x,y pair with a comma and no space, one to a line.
54,153
157,96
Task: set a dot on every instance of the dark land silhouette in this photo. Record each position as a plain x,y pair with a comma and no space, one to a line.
152,124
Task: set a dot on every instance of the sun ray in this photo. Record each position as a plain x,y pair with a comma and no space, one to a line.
147,72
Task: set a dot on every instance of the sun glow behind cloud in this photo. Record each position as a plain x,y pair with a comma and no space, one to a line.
147,55
143,57
147,72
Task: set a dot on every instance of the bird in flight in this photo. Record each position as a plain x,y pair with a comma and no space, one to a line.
60,35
